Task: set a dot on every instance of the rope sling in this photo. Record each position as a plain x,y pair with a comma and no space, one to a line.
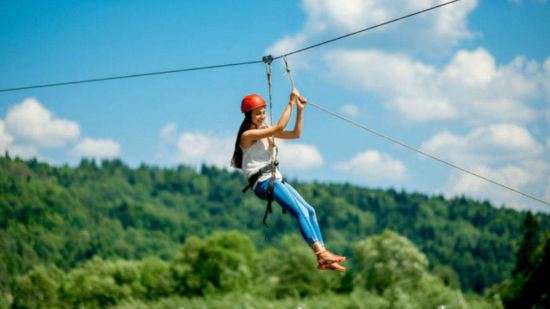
274,151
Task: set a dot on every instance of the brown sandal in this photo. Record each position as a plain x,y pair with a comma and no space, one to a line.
332,259
331,266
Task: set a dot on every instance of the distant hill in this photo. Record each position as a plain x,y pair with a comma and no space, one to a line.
68,215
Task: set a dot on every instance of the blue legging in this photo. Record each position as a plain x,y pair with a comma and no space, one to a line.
291,200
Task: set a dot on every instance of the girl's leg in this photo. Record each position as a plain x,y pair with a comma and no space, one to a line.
288,201
311,213
328,259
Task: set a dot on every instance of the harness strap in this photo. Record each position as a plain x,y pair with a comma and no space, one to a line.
254,178
270,196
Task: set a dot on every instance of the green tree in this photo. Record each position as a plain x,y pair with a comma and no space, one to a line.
392,266
223,262
514,293
529,243
296,273
386,259
101,283
38,288
156,278
67,216
536,290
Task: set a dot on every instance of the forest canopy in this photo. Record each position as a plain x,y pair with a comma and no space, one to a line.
59,222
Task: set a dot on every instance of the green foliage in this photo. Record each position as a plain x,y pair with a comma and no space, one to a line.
387,259
356,300
393,267
526,253
529,287
296,271
222,262
38,288
449,277
67,216
102,283
224,271
156,278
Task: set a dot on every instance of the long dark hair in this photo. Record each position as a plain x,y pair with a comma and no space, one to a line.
237,160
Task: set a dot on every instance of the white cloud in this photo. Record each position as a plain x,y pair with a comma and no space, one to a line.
350,110
521,1
472,69
298,156
97,148
169,131
506,153
7,144
32,124
471,186
288,43
489,144
197,148
532,178
512,176
470,87
372,165
439,29
5,139
29,126
23,151
166,147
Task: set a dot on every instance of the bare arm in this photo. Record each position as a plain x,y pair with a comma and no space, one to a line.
256,134
299,122
253,135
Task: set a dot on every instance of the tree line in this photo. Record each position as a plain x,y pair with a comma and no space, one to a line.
67,216
390,273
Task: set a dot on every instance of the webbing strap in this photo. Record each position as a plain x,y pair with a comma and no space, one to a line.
270,195
270,187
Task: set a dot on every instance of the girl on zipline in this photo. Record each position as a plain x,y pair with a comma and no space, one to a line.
252,155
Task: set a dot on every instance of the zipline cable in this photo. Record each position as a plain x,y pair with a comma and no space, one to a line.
413,148
132,76
428,155
224,65
366,29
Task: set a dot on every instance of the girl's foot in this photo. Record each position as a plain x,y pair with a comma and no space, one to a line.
327,257
331,266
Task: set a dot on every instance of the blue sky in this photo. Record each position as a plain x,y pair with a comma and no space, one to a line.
469,82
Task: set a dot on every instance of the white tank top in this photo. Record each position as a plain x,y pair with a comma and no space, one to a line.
256,157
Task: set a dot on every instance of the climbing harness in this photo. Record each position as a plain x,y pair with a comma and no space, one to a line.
270,168
266,169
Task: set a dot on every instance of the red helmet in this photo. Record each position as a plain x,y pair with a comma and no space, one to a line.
251,102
